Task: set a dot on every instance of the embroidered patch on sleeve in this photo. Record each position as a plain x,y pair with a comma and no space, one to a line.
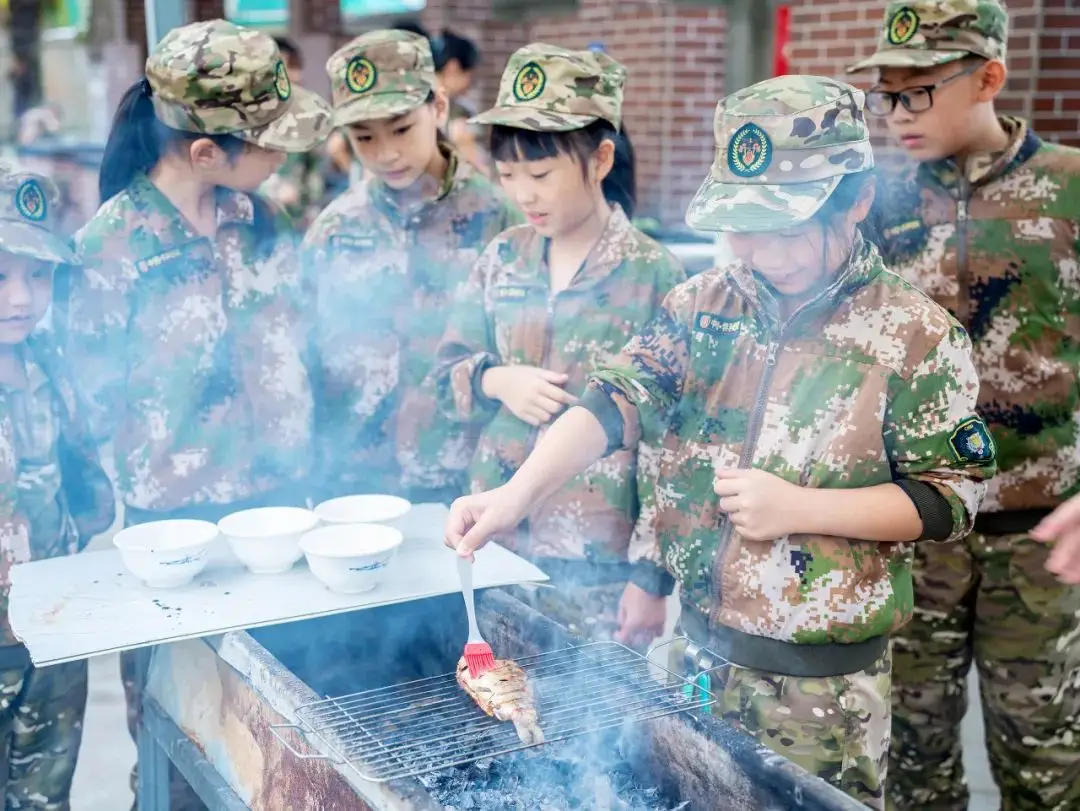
971,442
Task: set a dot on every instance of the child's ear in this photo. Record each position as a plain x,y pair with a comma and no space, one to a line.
992,79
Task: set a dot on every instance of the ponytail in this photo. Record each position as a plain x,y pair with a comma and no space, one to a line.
133,146
137,142
619,187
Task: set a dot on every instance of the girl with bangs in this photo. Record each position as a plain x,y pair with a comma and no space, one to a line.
547,303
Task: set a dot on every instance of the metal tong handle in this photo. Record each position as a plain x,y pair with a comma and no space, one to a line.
303,734
464,568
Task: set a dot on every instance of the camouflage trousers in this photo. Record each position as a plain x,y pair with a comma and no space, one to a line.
989,599
836,727
41,724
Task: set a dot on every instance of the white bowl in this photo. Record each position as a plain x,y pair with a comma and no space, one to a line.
351,558
267,539
166,554
368,509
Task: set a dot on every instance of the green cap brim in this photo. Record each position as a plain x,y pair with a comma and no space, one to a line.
378,106
907,58
752,208
25,239
306,123
529,118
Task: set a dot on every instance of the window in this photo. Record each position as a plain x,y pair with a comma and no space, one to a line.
275,13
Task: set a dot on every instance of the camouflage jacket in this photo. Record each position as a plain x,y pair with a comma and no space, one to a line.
999,247
867,383
191,351
301,178
85,501
382,279
506,315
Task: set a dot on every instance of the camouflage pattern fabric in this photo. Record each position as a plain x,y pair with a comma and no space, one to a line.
550,89
505,315
215,77
192,351
869,381
1006,268
1004,261
924,33
298,188
30,210
41,726
379,427
988,599
782,147
836,728
54,495
381,74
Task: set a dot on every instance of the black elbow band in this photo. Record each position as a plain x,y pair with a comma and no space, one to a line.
933,509
600,404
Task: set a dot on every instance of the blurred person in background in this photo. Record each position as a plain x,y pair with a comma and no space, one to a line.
186,322
384,260
54,494
298,187
548,302
985,216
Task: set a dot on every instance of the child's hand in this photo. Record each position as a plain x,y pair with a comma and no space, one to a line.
763,507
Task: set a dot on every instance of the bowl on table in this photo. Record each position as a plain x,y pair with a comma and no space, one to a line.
390,511
166,554
267,539
351,558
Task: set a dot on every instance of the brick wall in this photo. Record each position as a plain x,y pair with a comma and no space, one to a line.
1057,87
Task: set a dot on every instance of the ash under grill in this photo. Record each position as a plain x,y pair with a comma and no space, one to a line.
431,724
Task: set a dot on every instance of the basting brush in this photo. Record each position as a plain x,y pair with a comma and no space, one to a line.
478,655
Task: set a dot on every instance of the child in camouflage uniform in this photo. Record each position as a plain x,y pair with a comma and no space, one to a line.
186,322
54,495
547,303
986,219
384,260
818,417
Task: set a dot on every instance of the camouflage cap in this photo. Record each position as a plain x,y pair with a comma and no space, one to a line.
924,33
381,74
549,89
217,78
782,147
29,225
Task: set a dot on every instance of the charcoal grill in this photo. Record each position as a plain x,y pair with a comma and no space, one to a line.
427,725
216,708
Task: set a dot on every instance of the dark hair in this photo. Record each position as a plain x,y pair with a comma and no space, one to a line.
290,50
137,141
514,144
843,199
450,46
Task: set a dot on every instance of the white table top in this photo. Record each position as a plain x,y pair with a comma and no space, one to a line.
75,607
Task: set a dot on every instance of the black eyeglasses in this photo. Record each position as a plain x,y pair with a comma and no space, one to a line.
913,99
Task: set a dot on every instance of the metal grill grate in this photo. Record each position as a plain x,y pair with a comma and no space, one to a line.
432,724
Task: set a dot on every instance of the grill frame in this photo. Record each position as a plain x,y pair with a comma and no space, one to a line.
371,730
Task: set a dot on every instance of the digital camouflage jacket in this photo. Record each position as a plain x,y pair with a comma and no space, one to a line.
999,246
383,277
192,352
507,315
868,382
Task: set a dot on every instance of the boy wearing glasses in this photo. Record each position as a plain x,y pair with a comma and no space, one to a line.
986,219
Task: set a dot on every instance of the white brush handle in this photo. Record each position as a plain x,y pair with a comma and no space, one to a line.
465,572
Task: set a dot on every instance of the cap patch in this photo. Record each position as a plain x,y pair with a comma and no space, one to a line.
281,82
971,442
30,201
360,75
749,151
529,82
902,26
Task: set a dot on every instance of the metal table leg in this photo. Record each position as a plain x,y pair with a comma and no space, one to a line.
153,772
